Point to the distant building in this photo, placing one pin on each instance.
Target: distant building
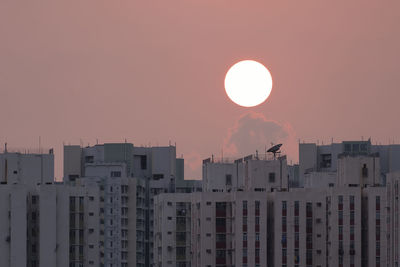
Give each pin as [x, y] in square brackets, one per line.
[129, 177]
[43, 223]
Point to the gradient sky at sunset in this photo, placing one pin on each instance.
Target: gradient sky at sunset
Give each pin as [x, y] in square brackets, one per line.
[153, 71]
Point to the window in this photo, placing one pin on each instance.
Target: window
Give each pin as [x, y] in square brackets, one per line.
[326, 160]
[245, 205]
[365, 171]
[158, 176]
[347, 148]
[378, 203]
[257, 236]
[89, 159]
[356, 147]
[363, 148]
[244, 236]
[228, 179]
[271, 177]
[115, 174]
[143, 162]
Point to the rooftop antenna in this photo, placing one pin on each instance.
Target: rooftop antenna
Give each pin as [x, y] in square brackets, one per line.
[39, 144]
[275, 150]
[97, 141]
[5, 147]
[265, 150]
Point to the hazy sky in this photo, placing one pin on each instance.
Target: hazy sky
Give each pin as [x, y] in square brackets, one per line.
[153, 71]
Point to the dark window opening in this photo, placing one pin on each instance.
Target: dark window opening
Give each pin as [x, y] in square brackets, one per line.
[89, 159]
[365, 171]
[143, 162]
[228, 179]
[116, 174]
[158, 176]
[271, 177]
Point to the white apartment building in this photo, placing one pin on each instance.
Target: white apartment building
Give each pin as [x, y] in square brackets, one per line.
[43, 223]
[246, 174]
[393, 220]
[129, 177]
[211, 229]
[344, 216]
[29, 169]
[324, 158]
[300, 228]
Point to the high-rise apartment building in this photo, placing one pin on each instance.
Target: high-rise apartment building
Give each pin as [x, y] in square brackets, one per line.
[129, 177]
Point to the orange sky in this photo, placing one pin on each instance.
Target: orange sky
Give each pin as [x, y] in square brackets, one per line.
[153, 71]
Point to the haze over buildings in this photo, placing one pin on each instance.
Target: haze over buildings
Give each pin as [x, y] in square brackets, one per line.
[74, 72]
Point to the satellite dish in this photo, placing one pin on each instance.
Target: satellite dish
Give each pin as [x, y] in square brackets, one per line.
[275, 149]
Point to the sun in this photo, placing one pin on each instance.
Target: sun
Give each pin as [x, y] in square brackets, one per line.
[248, 83]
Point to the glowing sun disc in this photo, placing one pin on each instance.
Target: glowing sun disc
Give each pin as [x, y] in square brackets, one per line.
[248, 83]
